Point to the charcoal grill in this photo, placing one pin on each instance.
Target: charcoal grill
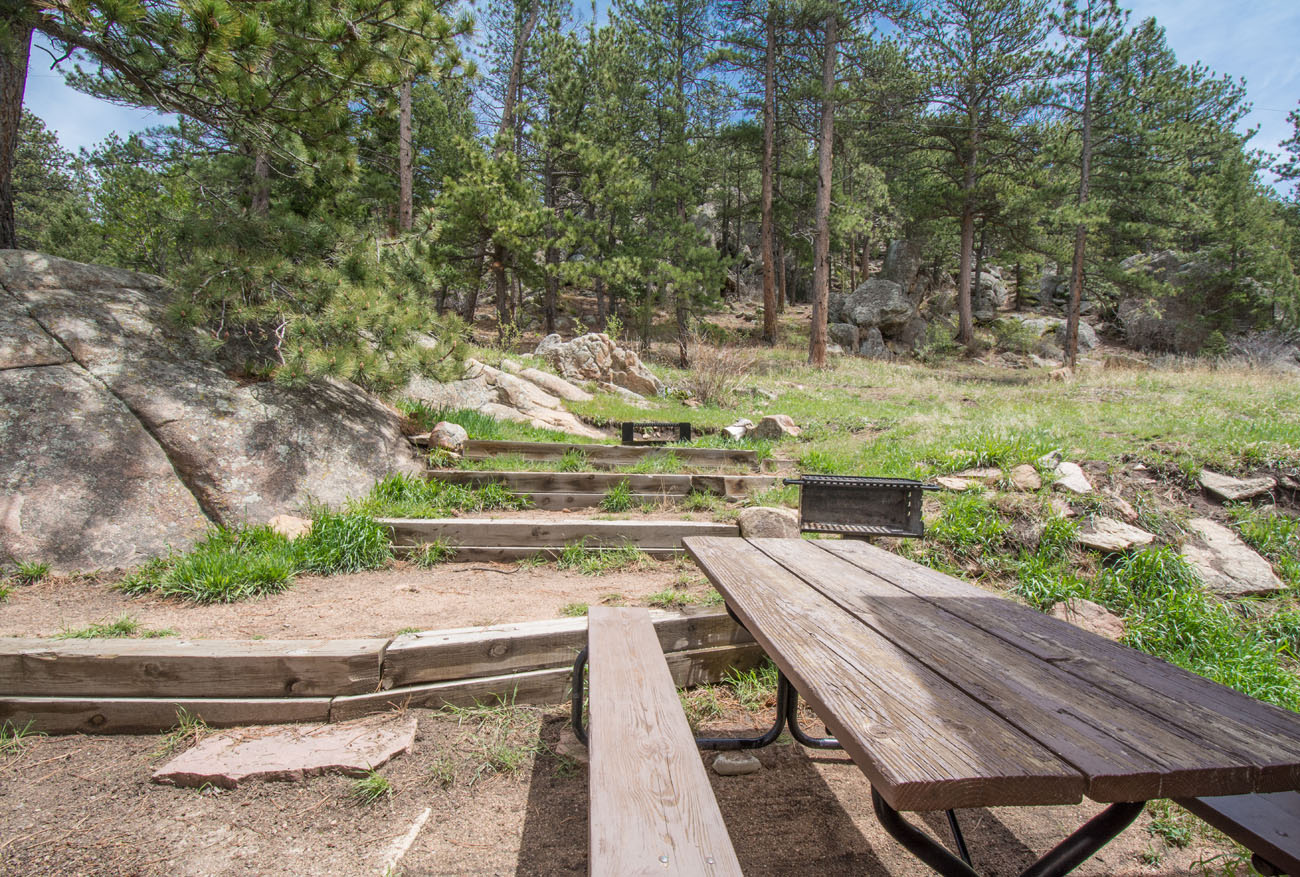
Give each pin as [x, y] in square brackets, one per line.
[857, 507]
[631, 428]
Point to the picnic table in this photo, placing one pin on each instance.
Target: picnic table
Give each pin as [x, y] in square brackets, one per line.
[948, 696]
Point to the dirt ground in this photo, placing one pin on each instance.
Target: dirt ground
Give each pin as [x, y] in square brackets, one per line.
[501, 801]
[370, 604]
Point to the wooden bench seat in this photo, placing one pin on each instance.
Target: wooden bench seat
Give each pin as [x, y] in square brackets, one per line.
[1266, 824]
[652, 809]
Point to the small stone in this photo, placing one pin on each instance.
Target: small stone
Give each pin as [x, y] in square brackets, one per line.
[1228, 489]
[949, 482]
[1227, 565]
[448, 436]
[735, 433]
[290, 752]
[776, 426]
[1109, 535]
[1039, 362]
[570, 747]
[1061, 508]
[765, 522]
[289, 526]
[1069, 476]
[736, 764]
[1050, 459]
[989, 476]
[1090, 616]
[1125, 509]
[1025, 477]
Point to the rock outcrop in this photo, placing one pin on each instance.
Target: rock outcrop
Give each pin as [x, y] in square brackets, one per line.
[596, 357]
[120, 439]
[879, 304]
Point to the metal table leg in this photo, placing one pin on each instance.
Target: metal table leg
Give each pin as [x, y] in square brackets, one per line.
[1062, 859]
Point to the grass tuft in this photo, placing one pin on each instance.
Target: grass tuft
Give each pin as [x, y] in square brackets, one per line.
[31, 572]
[370, 789]
[598, 561]
[125, 626]
[754, 688]
[14, 739]
[618, 498]
[1274, 535]
[430, 554]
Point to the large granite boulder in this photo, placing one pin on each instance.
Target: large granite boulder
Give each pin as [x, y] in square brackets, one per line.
[879, 304]
[596, 357]
[902, 265]
[843, 334]
[197, 446]
[988, 296]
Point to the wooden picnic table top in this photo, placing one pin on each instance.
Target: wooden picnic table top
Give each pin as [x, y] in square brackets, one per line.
[948, 696]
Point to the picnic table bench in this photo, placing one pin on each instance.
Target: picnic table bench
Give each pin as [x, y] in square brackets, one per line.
[947, 696]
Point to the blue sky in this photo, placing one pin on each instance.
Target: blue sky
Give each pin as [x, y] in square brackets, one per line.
[1256, 39]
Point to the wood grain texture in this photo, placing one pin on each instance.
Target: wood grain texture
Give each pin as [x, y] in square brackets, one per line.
[511, 553]
[444, 655]
[189, 668]
[140, 715]
[600, 456]
[924, 744]
[1258, 733]
[1266, 824]
[600, 482]
[652, 808]
[549, 532]
[1126, 753]
[692, 667]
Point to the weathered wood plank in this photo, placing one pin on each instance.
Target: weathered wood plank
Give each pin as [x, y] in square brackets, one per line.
[652, 809]
[189, 668]
[1268, 825]
[144, 715]
[509, 553]
[567, 482]
[549, 532]
[693, 667]
[443, 655]
[1261, 734]
[924, 744]
[1126, 753]
[600, 456]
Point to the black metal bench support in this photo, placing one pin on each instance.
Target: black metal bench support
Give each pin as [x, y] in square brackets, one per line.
[1061, 859]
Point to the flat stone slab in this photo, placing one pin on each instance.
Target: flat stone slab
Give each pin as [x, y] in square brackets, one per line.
[290, 752]
[1025, 477]
[988, 475]
[1227, 565]
[1108, 534]
[1225, 488]
[1069, 476]
[1090, 616]
[951, 482]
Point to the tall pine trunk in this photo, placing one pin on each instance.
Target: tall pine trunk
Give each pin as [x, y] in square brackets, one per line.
[822, 242]
[13, 81]
[769, 136]
[965, 318]
[405, 173]
[260, 196]
[1080, 231]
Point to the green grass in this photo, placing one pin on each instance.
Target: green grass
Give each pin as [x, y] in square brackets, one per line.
[412, 496]
[14, 739]
[663, 463]
[124, 626]
[188, 730]
[969, 525]
[755, 688]
[598, 561]
[574, 610]
[31, 572]
[618, 498]
[6, 590]
[572, 461]
[370, 789]
[430, 554]
[482, 426]
[671, 599]
[1272, 534]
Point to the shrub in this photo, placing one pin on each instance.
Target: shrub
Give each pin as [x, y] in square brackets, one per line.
[716, 371]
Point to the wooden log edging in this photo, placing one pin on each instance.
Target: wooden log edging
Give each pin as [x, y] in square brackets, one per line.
[602, 456]
[138, 686]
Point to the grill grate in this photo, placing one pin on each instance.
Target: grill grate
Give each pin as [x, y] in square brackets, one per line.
[859, 481]
[857, 506]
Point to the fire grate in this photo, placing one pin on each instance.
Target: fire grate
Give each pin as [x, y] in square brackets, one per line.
[857, 507]
[635, 433]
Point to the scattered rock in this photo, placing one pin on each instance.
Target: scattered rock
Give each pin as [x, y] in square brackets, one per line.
[776, 426]
[1091, 617]
[290, 526]
[1050, 459]
[1225, 488]
[949, 482]
[739, 429]
[1026, 533]
[1226, 564]
[989, 475]
[760, 393]
[1025, 477]
[1108, 534]
[1061, 508]
[833, 349]
[535, 404]
[289, 752]
[570, 747]
[448, 436]
[1038, 362]
[1125, 509]
[764, 522]
[736, 764]
[1087, 336]
[1070, 477]
[596, 357]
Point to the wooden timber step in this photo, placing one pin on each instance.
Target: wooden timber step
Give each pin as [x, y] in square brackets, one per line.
[122, 686]
[608, 456]
[484, 539]
[598, 483]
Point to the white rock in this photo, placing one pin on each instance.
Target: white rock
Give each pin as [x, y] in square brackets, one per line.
[290, 526]
[776, 426]
[736, 764]
[1069, 476]
[1050, 459]
[1108, 534]
[448, 436]
[1090, 616]
[1228, 489]
[764, 522]
[1226, 564]
[949, 482]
